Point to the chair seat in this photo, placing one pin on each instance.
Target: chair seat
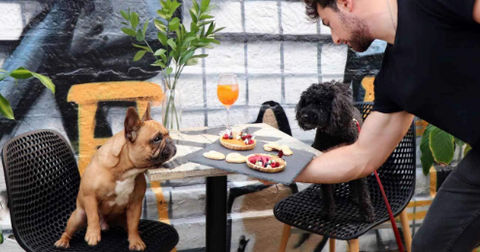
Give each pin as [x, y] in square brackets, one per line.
[158, 237]
[304, 210]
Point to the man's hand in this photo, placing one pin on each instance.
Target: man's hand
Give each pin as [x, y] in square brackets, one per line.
[380, 134]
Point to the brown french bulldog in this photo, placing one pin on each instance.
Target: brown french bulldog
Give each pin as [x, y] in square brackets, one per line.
[113, 185]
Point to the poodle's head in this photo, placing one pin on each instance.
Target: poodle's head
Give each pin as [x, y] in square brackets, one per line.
[326, 106]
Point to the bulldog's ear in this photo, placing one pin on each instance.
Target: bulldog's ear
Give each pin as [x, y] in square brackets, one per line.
[147, 115]
[132, 124]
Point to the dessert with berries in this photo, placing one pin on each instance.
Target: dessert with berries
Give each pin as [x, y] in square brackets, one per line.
[237, 140]
[266, 163]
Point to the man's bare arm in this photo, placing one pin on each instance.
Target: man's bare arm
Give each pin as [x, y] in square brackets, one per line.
[380, 134]
[476, 11]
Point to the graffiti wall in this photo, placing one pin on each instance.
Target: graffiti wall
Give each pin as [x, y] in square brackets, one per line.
[271, 46]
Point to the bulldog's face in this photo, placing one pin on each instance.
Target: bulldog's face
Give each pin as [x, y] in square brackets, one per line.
[149, 143]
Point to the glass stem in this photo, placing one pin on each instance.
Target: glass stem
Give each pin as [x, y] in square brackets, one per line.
[228, 114]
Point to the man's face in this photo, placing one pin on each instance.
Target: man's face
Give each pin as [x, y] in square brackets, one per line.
[346, 28]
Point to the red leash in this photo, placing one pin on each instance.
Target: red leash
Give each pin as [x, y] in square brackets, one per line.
[390, 213]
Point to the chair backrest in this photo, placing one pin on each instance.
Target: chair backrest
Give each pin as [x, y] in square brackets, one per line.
[397, 173]
[42, 184]
[272, 113]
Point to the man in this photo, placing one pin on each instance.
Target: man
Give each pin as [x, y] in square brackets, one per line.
[430, 69]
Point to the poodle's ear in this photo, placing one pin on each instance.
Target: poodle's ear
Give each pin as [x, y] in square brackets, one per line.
[341, 114]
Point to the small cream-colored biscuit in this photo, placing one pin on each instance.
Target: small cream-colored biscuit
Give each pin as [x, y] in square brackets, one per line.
[271, 146]
[286, 150]
[235, 157]
[215, 155]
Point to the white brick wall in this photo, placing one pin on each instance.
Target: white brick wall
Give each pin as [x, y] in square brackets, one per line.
[295, 85]
[294, 19]
[334, 58]
[264, 88]
[300, 58]
[229, 15]
[261, 17]
[264, 57]
[226, 57]
[11, 24]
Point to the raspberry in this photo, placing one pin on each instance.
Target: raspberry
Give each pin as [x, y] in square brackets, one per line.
[225, 136]
[252, 160]
[250, 141]
[243, 138]
[249, 136]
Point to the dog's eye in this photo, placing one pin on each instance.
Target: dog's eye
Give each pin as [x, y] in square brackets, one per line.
[157, 139]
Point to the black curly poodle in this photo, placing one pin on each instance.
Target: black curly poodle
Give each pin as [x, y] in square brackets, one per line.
[328, 107]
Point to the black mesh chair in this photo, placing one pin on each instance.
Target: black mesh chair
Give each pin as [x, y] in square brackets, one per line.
[303, 210]
[42, 185]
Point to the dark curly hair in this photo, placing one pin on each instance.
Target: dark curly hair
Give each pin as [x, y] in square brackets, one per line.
[311, 6]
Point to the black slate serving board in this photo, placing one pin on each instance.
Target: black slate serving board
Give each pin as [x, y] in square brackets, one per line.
[295, 163]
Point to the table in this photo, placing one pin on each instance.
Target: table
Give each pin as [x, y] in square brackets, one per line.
[191, 140]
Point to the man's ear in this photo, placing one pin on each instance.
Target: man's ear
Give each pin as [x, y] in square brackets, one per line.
[147, 115]
[345, 4]
[132, 124]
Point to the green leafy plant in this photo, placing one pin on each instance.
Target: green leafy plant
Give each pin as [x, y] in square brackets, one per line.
[179, 44]
[1, 233]
[19, 74]
[438, 147]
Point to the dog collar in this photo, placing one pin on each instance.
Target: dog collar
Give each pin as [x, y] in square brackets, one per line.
[356, 123]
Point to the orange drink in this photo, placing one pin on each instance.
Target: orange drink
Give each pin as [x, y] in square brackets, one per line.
[227, 94]
[227, 91]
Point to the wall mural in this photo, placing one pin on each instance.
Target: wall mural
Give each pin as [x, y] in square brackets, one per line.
[79, 45]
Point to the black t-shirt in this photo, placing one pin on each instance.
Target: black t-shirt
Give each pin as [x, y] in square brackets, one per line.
[433, 70]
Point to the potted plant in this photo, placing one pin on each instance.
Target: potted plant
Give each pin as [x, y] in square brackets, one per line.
[179, 47]
[438, 150]
[20, 73]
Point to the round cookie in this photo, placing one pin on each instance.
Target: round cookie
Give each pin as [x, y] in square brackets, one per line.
[214, 155]
[286, 150]
[271, 146]
[235, 157]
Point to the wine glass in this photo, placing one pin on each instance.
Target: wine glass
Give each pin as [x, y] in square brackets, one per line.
[227, 91]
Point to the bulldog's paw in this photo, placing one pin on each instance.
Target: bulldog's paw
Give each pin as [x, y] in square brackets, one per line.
[64, 242]
[136, 243]
[93, 237]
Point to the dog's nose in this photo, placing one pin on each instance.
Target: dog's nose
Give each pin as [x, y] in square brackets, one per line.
[309, 117]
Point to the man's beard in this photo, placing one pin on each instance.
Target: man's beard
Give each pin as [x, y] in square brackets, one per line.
[360, 38]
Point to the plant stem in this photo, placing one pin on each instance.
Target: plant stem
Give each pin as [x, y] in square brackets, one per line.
[167, 111]
[177, 75]
[176, 116]
[145, 40]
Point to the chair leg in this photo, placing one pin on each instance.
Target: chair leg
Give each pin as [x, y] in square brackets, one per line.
[285, 235]
[406, 230]
[354, 247]
[332, 245]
